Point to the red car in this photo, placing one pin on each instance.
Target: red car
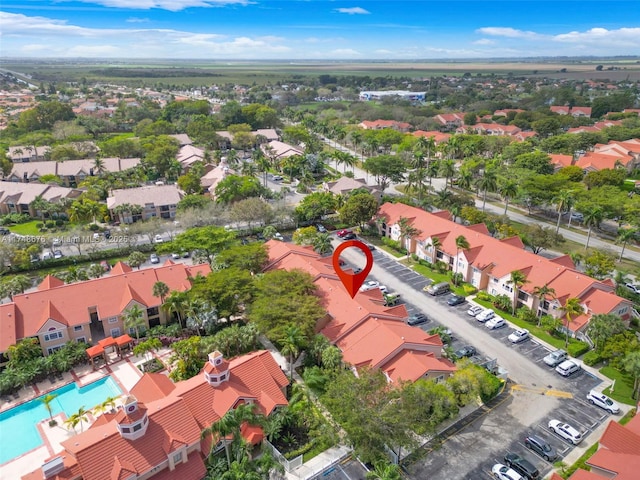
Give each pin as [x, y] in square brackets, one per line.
[342, 233]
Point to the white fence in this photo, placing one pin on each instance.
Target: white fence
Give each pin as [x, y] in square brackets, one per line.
[289, 465]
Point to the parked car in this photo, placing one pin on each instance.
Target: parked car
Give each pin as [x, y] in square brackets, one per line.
[107, 234]
[438, 288]
[369, 285]
[485, 315]
[633, 288]
[175, 255]
[518, 335]
[57, 254]
[555, 358]
[47, 255]
[502, 472]
[370, 246]
[521, 465]
[343, 232]
[154, 258]
[568, 367]
[350, 236]
[186, 254]
[391, 299]
[96, 237]
[321, 228]
[56, 242]
[541, 447]
[565, 431]
[474, 310]
[454, 300]
[577, 217]
[4, 231]
[158, 239]
[602, 401]
[277, 178]
[278, 236]
[495, 322]
[466, 351]
[417, 319]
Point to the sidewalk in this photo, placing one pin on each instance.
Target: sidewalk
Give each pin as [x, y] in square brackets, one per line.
[319, 463]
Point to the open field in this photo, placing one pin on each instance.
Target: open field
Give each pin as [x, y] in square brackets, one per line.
[202, 72]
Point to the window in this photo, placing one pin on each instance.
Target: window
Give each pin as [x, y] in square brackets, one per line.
[177, 458]
[137, 427]
[115, 332]
[223, 376]
[126, 430]
[52, 336]
[439, 378]
[622, 311]
[77, 328]
[81, 340]
[50, 350]
[113, 319]
[152, 312]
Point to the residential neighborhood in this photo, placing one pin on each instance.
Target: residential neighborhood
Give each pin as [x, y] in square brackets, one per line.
[169, 292]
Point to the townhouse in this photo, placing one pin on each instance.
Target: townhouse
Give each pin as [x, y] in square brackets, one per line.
[618, 454]
[368, 333]
[344, 185]
[490, 129]
[18, 197]
[278, 150]
[382, 124]
[28, 153]
[70, 172]
[593, 161]
[573, 111]
[438, 137]
[450, 121]
[157, 431]
[488, 262]
[153, 201]
[57, 313]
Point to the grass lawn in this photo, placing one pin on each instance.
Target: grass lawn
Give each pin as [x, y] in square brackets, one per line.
[580, 463]
[435, 276]
[622, 389]
[27, 228]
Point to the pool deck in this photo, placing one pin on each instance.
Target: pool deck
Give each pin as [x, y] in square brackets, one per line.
[123, 371]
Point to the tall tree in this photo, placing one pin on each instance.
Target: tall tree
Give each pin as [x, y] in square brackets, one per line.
[177, 302]
[46, 400]
[133, 318]
[407, 232]
[518, 279]
[592, 217]
[461, 244]
[541, 294]
[160, 290]
[508, 189]
[488, 182]
[292, 342]
[626, 235]
[571, 309]
[631, 365]
[564, 200]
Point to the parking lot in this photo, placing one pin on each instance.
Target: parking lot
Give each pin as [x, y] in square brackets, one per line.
[545, 395]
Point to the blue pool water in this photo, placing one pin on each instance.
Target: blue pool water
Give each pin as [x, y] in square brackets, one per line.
[18, 425]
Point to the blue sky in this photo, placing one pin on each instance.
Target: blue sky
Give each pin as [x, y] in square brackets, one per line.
[318, 29]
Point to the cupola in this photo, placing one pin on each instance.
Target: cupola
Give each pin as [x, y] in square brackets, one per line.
[216, 369]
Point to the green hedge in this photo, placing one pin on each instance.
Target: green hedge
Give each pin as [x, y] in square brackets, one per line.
[591, 358]
[577, 348]
[496, 386]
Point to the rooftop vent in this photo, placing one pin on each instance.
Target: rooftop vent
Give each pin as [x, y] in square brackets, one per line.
[53, 466]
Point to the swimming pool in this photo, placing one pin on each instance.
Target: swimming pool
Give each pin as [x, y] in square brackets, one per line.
[19, 423]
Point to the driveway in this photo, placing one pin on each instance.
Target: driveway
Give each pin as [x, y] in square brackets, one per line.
[542, 394]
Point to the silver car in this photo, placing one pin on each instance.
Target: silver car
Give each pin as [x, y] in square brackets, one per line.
[555, 358]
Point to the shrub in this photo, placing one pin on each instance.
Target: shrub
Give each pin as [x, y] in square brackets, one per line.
[591, 358]
[94, 227]
[493, 388]
[49, 224]
[469, 289]
[577, 348]
[39, 225]
[484, 296]
[59, 222]
[527, 315]
[502, 302]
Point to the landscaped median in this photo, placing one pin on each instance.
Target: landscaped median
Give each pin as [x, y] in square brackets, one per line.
[622, 388]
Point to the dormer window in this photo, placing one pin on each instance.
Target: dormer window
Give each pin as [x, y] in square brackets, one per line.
[216, 370]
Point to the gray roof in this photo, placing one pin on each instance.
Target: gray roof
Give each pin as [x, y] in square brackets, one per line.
[25, 193]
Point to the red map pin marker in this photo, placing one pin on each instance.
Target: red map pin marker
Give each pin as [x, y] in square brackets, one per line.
[352, 282]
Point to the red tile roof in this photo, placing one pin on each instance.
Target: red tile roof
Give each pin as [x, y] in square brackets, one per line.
[601, 161]
[69, 304]
[438, 137]
[560, 160]
[193, 469]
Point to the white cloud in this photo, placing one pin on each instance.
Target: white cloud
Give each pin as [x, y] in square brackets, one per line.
[623, 37]
[345, 52]
[137, 20]
[353, 11]
[95, 51]
[171, 5]
[484, 41]
[506, 32]
[383, 51]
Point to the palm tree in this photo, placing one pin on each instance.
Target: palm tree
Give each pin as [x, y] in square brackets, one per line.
[40, 206]
[487, 183]
[98, 165]
[461, 244]
[435, 244]
[19, 283]
[160, 290]
[291, 344]
[571, 309]
[384, 471]
[564, 201]
[465, 178]
[508, 189]
[322, 243]
[518, 279]
[108, 404]
[592, 218]
[229, 426]
[46, 401]
[624, 236]
[541, 293]
[134, 318]
[177, 302]
[407, 231]
[78, 418]
[447, 169]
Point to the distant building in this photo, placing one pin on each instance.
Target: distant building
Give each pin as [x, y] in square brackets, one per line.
[156, 201]
[368, 95]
